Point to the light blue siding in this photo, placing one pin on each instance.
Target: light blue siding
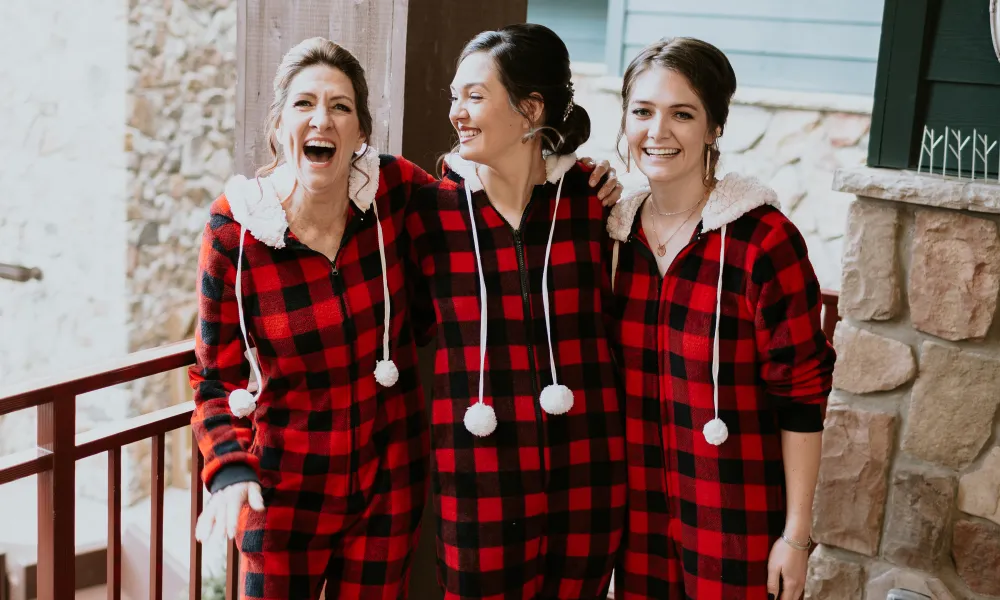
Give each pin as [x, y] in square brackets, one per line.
[582, 24]
[783, 44]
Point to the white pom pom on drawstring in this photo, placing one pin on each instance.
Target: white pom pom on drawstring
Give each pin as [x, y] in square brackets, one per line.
[242, 403]
[715, 431]
[480, 419]
[386, 373]
[556, 399]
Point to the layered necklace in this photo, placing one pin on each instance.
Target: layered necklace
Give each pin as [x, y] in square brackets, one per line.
[661, 247]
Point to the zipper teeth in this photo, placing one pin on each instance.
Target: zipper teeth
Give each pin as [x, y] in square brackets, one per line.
[529, 323]
[648, 252]
[349, 334]
[522, 271]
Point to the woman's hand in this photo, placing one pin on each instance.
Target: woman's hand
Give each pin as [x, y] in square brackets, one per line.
[786, 568]
[223, 510]
[611, 191]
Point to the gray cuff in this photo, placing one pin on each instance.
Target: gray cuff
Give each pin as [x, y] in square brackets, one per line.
[230, 474]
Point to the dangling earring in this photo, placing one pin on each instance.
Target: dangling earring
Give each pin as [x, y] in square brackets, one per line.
[628, 160]
[708, 162]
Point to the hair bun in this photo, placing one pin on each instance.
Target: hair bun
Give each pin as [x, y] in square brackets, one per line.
[575, 129]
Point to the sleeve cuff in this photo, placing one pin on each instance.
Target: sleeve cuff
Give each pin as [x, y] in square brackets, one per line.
[801, 418]
[230, 474]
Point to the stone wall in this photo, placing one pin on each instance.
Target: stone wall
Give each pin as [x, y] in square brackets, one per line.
[793, 142]
[909, 490]
[180, 137]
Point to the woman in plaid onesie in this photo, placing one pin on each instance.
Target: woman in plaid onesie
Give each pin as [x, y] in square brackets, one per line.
[511, 279]
[330, 450]
[717, 331]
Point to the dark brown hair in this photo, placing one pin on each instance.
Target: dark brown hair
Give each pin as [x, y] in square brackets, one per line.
[532, 59]
[305, 54]
[704, 66]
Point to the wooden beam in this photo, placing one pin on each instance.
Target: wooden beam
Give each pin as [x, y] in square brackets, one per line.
[437, 32]
[373, 30]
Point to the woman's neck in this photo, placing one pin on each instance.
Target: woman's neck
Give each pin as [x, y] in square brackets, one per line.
[316, 210]
[677, 195]
[510, 180]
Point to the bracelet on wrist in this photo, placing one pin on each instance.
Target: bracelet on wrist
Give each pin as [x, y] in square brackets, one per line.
[798, 545]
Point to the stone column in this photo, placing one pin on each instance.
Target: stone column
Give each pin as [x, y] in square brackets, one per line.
[909, 490]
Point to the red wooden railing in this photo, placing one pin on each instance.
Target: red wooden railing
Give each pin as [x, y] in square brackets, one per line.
[59, 447]
[829, 315]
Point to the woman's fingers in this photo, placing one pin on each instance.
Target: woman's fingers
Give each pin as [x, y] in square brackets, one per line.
[254, 497]
[206, 520]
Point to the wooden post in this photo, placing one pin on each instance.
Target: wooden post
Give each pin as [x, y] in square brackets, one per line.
[438, 30]
[57, 500]
[373, 30]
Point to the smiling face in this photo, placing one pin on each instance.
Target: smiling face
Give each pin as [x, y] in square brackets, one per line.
[319, 130]
[667, 127]
[488, 126]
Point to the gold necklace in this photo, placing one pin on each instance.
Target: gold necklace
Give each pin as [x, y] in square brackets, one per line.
[661, 248]
[657, 210]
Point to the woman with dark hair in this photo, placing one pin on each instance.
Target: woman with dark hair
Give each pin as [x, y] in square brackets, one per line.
[726, 369]
[511, 261]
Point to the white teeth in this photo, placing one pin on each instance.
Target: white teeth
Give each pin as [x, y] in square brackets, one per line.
[466, 134]
[662, 151]
[320, 144]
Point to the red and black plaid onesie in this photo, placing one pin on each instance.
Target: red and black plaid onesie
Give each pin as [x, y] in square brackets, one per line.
[532, 504]
[703, 516]
[341, 457]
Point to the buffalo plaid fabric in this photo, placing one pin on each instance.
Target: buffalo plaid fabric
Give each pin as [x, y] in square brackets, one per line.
[341, 460]
[535, 509]
[702, 518]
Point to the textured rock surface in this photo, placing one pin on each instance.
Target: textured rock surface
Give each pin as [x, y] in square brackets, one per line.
[976, 550]
[870, 287]
[182, 78]
[979, 490]
[954, 274]
[851, 493]
[927, 190]
[867, 362]
[831, 577]
[919, 510]
[952, 406]
[878, 587]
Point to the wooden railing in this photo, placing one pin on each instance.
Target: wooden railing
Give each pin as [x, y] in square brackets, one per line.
[830, 315]
[59, 448]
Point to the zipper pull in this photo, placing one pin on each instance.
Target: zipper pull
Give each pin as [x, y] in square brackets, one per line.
[336, 280]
